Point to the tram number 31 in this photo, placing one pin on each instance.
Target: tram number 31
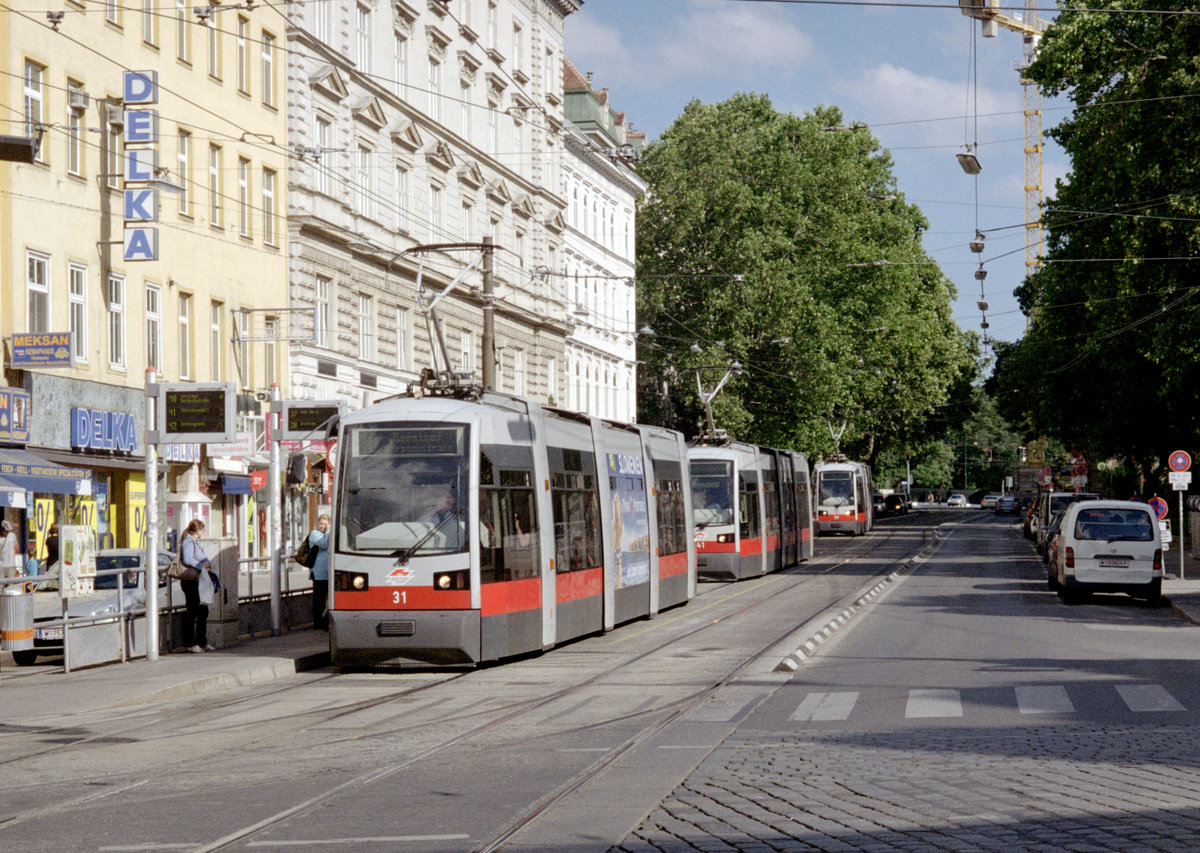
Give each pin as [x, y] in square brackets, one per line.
[399, 597]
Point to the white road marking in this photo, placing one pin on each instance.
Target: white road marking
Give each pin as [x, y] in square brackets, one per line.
[386, 839]
[934, 702]
[1148, 697]
[1044, 699]
[825, 706]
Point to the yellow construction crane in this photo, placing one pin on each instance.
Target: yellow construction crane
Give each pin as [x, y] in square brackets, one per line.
[992, 16]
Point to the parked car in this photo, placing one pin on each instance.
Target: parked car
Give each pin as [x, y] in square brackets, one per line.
[895, 504]
[1029, 520]
[956, 500]
[877, 501]
[1007, 505]
[106, 600]
[989, 501]
[1109, 546]
[1052, 534]
[1055, 502]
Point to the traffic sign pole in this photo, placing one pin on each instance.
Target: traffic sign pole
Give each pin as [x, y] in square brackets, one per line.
[1179, 462]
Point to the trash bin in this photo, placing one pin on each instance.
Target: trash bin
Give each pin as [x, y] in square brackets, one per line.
[16, 619]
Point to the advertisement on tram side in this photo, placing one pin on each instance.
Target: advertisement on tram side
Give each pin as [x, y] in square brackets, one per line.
[631, 522]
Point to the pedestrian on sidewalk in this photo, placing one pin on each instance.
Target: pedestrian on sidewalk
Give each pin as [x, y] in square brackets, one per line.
[318, 539]
[195, 616]
[52, 545]
[8, 549]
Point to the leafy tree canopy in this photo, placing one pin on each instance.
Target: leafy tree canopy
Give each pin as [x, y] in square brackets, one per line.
[782, 242]
[1109, 362]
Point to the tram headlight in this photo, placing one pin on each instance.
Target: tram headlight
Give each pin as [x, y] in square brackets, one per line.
[725, 538]
[351, 582]
[452, 580]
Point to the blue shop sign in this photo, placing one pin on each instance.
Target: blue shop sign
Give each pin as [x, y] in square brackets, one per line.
[14, 415]
[41, 350]
[92, 429]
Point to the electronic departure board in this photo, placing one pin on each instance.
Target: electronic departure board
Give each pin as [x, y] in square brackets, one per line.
[308, 420]
[196, 412]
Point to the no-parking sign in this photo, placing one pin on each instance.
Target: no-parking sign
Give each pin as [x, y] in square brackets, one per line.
[1159, 506]
[1180, 460]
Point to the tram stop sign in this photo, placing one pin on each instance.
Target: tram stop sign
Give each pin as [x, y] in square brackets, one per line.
[1180, 460]
[1159, 506]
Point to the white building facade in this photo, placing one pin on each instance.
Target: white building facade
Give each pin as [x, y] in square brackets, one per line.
[417, 122]
[601, 191]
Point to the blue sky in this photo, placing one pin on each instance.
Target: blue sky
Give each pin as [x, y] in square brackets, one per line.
[906, 72]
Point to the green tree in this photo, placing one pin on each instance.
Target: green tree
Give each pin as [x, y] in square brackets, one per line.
[781, 242]
[1109, 362]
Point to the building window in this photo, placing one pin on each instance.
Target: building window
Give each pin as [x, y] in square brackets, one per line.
[491, 24]
[321, 312]
[269, 326]
[214, 185]
[37, 291]
[362, 39]
[403, 340]
[112, 12]
[183, 163]
[464, 110]
[242, 49]
[74, 152]
[149, 22]
[214, 49]
[466, 352]
[402, 199]
[520, 248]
[215, 341]
[366, 327]
[115, 293]
[247, 366]
[435, 89]
[435, 211]
[113, 169]
[77, 301]
[519, 372]
[243, 179]
[268, 69]
[468, 220]
[183, 32]
[320, 10]
[270, 223]
[324, 143]
[518, 48]
[153, 325]
[400, 66]
[185, 336]
[33, 102]
[493, 129]
[362, 181]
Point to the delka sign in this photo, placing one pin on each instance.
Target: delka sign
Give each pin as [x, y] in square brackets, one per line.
[141, 165]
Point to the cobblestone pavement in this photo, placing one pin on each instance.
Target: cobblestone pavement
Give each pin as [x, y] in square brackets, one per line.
[1055, 788]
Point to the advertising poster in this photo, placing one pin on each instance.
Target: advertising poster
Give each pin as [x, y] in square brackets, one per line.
[78, 560]
[631, 523]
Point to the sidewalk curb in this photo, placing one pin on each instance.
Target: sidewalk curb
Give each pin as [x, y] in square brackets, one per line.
[261, 674]
[1179, 611]
[808, 648]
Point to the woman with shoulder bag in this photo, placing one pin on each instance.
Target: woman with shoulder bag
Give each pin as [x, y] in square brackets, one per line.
[318, 540]
[195, 617]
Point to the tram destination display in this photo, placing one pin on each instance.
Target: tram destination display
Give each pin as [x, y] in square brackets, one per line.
[196, 412]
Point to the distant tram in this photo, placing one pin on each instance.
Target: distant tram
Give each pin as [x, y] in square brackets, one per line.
[843, 496]
[751, 509]
[474, 529]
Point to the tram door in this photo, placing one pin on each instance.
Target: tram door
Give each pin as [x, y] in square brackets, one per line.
[625, 514]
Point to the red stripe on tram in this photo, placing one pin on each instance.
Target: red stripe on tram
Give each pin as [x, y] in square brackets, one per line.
[572, 586]
[672, 565]
[511, 596]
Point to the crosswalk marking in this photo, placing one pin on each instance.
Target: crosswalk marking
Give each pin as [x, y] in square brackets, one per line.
[934, 702]
[825, 706]
[1044, 699]
[1148, 697]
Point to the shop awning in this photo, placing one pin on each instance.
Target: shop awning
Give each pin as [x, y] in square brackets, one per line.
[235, 484]
[11, 494]
[35, 474]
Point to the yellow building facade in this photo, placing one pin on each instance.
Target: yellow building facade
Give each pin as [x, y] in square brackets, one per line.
[149, 230]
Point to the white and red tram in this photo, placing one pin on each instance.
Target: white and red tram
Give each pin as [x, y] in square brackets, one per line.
[844, 496]
[751, 507]
[469, 530]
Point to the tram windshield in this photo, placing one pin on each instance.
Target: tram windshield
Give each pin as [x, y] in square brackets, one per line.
[403, 489]
[835, 488]
[712, 492]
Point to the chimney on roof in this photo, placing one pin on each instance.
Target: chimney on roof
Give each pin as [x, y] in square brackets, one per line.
[589, 76]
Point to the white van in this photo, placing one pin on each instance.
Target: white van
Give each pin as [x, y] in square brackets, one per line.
[1109, 546]
[1050, 504]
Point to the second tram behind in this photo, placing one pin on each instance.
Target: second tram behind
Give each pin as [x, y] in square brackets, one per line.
[469, 530]
[843, 496]
[751, 509]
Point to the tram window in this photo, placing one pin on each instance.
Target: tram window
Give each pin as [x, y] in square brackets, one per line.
[672, 522]
[771, 502]
[836, 488]
[751, 526]
[508, 531]
[576, 522]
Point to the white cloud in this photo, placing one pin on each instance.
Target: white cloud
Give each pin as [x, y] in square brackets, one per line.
[591, 46]
[735, 41]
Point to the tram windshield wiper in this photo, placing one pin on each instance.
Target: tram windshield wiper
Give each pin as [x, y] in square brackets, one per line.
[403, 555]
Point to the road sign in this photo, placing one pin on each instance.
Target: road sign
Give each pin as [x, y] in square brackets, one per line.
[1046, 476]
[1180, 460]
[197, 412]
[1159, 506]
[1180, 480]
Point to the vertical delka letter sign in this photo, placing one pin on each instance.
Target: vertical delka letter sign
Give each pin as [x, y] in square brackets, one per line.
[141, 165]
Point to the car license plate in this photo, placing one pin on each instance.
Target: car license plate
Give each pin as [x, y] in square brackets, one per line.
[1112, 563]
[48, 634]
